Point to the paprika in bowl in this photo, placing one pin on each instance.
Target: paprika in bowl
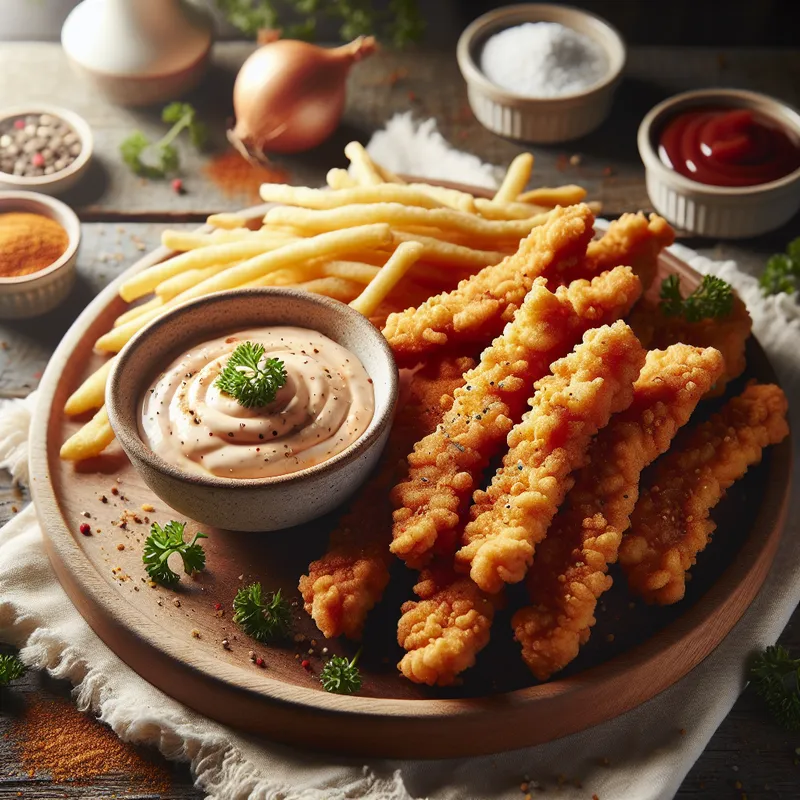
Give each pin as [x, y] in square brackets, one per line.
[39, 238]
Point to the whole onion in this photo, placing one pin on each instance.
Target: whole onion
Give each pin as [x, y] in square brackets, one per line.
[289, 95]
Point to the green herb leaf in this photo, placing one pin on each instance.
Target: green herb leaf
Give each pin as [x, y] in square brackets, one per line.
[341, 676]
[11, 668]
[776, 678]
[265, 618]
[249, 379]
[713, 299]
[162, 543]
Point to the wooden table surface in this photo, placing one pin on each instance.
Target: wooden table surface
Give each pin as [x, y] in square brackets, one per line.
[123, 215]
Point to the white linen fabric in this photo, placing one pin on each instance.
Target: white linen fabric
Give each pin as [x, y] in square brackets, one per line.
[648, 750]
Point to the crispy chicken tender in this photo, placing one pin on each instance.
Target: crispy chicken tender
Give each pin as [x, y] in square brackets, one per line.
[570, 570]
[480, 306]
[568, 408]
[343, 586]
[633, 240]
[445, 629]
[446, 465]
[670, 524]
[729, 335]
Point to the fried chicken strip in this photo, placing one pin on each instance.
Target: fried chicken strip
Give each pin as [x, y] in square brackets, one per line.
[671, 524]
[343, 586]
[728, 334]
[570, 570]
[568, 408]
[445, 467]
[480, 306]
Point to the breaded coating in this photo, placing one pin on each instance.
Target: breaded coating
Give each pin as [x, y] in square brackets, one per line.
[445, 629]
[446, 466]
[633, 240]
[670, 524]
[728, 334]
[512, 516]
[570, 570]
[344, 585]
[477, 310]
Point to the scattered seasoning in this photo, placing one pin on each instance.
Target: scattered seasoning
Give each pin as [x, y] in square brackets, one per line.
[120, 546]
[235, 176]
[86, 514]
[29, 243]
[195, 633]
[86, 529]
[226, 644]
[259, 662]
[37, 144]
[177, 186]
[147, 507]
[305, 664]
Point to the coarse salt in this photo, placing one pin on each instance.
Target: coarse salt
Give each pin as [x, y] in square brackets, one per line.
[543, 59]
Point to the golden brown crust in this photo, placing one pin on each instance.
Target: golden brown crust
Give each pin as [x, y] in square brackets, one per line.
[570, 570]
[670, 524]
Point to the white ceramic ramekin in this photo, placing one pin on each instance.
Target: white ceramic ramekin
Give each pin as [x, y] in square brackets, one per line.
[40, 292]
[64, 179]
[727, 212]
[547, 119]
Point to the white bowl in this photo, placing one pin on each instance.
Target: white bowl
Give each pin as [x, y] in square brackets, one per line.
[64, 179]
[40, 292]
[727, 212]
[547, 119]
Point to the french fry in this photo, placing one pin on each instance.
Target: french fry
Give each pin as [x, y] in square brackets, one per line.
[558, 196]
[448, 254]
[340, 179]
[375, 293]
[187, 240]
[338, 288]
[90, 440]
[320, 199]
[387, 175]
[519, 173]
[227, 221]
[333, 243]
[452, 198]
[354, 271]
[91, 393]
[286, 277]
[178, 284]
[363, 169]
[137, 311]
[491, 209]
[401, 216]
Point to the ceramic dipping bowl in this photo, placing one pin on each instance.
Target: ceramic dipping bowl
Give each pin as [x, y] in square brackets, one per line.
[260, 504]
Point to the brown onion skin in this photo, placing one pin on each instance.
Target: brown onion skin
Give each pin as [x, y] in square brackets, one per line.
[289, 95]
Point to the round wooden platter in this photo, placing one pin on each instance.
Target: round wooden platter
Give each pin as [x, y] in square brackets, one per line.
[174, 638]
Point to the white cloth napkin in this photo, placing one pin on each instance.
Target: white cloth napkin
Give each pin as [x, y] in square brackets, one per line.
[649, 750]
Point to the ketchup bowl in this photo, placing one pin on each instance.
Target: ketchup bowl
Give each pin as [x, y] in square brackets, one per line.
[338, 375]
[695, 143]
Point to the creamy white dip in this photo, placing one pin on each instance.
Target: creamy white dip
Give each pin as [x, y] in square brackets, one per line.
[325, 405]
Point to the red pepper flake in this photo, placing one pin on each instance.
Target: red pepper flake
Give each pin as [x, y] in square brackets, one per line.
[86, 529]
[114, 490]
[19, 124]
[177, 186]
[259, 661]
[305, 664]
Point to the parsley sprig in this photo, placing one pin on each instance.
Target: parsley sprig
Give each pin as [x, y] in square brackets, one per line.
[156, 160]
[776, 677]
[782, 272]
[11, 668]
[341, 676]
[712, 299]
[249, 378]
[162, 543]
[265, 617]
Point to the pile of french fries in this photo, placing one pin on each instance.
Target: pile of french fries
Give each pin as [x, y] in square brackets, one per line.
[358, 241]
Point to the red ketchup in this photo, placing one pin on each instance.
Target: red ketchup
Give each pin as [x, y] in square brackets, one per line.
[728, 147]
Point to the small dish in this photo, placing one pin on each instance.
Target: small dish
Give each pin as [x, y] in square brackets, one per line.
[728, 212]
[532, 119]
[40, 292]
[63, 179]
[259, 504]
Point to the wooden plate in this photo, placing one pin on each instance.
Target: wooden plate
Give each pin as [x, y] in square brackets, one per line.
[174, 639]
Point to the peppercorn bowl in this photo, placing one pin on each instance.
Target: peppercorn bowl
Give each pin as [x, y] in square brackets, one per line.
[250, 504]
[30, 295]
[43, 148]
[540, 120]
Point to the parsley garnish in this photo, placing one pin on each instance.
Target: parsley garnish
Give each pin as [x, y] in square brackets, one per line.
[11, 668]
[248, 380]
[782, 271]
[265, 618]
[162, 543]
[341, 676]
[776, 677]
[158, 160]
[713, 298]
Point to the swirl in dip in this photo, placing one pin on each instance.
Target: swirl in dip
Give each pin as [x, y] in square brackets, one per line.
[325, 405]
